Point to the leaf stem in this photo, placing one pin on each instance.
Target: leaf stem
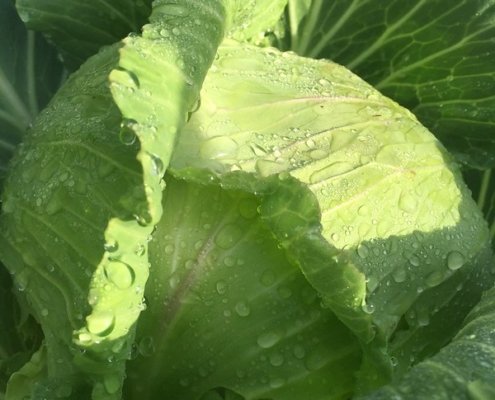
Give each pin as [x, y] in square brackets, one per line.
[485, 181]
[31, 73]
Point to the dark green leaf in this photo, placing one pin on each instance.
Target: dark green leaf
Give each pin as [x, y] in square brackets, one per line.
[80, 28]
[29, 75]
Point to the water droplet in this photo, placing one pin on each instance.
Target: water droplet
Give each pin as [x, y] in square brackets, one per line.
[221, 287]
[423, 317]
[298, 351]
[127, 135]
[434, 278]
[407, 202]
[363, 251]
[276, 359]
[335, 169]
[184, 382]
[368, 308]
[169, 249]
[318, 154]
[277, 383]
[111, 246]
[228, 236]
[171, 9]
[146, 346]
[218, 147]
[394, 361]
[44, 312]
[284, 292]
[156, 164]
[101, 323]
[399, 274]
[140, 250]
[269, 339]
[268, 278]
[363, 210]
[317, 358]
[455, 260]
[248, 208]
[242, 308]
[112, 383]
[119, 273]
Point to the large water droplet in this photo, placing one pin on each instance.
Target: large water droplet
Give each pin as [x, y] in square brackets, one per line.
[112, 383]
[242, 308]
[156, 164]
[218, 147]
[434, 278]
[455, 260]
[127, 135]
[101, 323]
[228, 236]
[407, 202]
[269, 339]
[399, 274]
[268, 278]
[337, 168]
[119, 273]
[221, 287]
[298, 351]
[276, 359]
[317, 359]
[146, 346]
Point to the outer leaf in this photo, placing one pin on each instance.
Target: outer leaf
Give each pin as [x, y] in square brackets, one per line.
[69, 177]
[432, 56]
[29, 75]
[226, 309]
[80, 29]
[463, 370]
[390, 197]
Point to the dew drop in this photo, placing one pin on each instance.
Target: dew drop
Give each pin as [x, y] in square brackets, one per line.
[455, 260]
[368, 308]
[111, 246]
[434, 278]
[317, 359]
[399, 274]
[127, 135]
[298, 351]
[276, 383]
[276, 359]
[284, 292]
[335, 169]
[407, 202]
[269, 339]
[112, 383]
[119, 273]
[242, 308]
[156, 164]
[221, 287]
[146, 346]
[268, 278]
[218, 147]
[228, 236]
[363, 251]
[101, 323]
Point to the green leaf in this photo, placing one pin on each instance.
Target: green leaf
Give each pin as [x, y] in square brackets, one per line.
[225, 308]
[80, 29]
[69, 177]
[252, 19]
[29, 75]
[364, 198]
[464, 367]
[433, 57]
